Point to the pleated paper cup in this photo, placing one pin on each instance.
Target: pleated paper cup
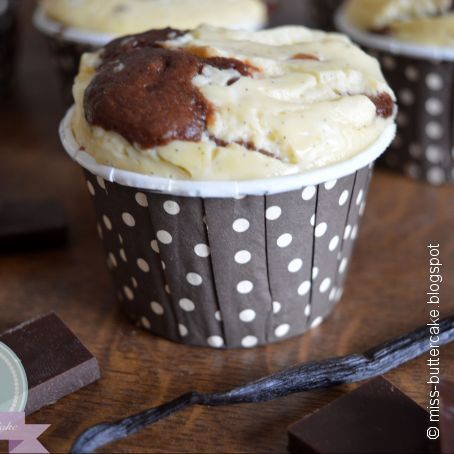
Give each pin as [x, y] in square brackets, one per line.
[8, 45]
[423, 79]
[228, 263]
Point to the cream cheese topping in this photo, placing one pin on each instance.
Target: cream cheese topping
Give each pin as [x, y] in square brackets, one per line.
[308, 105]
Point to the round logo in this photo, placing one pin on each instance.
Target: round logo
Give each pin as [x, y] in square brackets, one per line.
[13, 381]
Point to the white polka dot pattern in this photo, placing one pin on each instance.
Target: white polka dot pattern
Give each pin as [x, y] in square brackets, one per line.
[141, 199]
[202, 250]
[215, 341]
[171, 207]
[247, 316]
[295, 265]
[273, 213]
[194, 279]
[90, 187]
[187, 305]
[143, 265]
[249, 342]
[230, 272]
[243, 257]
[426, 124]
[157, 308]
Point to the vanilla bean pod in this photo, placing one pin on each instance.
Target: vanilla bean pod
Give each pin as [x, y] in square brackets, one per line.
[314, 375]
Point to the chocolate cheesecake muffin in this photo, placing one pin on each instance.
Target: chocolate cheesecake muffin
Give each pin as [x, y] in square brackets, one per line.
[229, 171]
[415, 43]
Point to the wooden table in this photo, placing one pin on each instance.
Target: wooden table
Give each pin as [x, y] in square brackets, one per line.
[385, 297]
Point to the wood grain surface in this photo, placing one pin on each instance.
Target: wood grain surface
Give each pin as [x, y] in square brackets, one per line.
[385, 296]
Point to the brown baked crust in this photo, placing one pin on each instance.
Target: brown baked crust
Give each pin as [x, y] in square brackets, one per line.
[144, 92]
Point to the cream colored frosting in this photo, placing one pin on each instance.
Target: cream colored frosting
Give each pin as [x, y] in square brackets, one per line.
[309, 113]
[122, 17]
[418, 21]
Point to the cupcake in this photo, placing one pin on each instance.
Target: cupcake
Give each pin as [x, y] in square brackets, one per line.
[415, 44]
[229, 171]
[73, 28]
[8, 38]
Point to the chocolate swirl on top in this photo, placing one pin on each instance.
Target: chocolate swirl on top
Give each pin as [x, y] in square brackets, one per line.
[384, 104]
[144, 92]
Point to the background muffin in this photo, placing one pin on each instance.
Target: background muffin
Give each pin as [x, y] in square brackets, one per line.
[428, 22]
[281, 125]
[73, 28]
[414, 41]
[122, 17]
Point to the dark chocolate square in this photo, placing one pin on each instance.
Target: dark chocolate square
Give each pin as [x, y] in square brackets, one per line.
[374, 418]
[54, 359]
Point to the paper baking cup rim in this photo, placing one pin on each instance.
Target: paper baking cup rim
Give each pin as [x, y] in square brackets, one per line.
[78, 35]
[221, 189]
[55, 29]
[389, 44]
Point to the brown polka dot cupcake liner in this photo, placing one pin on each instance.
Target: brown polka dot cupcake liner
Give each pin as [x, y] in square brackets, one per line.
[8, 44]
[228, 264]
[229, 272]
[423, 80]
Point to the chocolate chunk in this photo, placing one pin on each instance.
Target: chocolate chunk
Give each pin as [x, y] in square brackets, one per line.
[301, 56]
[144, 92]
[54, 359]
[28, 225]
[374, 418]
[447, 416]
[382, 31]
[248, 145]
[384, 104]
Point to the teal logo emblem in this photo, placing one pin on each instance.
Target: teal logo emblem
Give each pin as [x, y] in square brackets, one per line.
[13, 382]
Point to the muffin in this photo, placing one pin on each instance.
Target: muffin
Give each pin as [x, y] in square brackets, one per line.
[73, 28]
[229, 171]
[415, 44]
[8, 41]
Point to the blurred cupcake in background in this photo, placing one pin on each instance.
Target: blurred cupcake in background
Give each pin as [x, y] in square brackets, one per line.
[8, 42]
[311, 13]
[74, 27]
[415, 43]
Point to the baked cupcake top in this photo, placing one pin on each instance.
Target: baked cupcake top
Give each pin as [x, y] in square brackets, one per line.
[121, 17]
[217, 104]
[420, 21]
